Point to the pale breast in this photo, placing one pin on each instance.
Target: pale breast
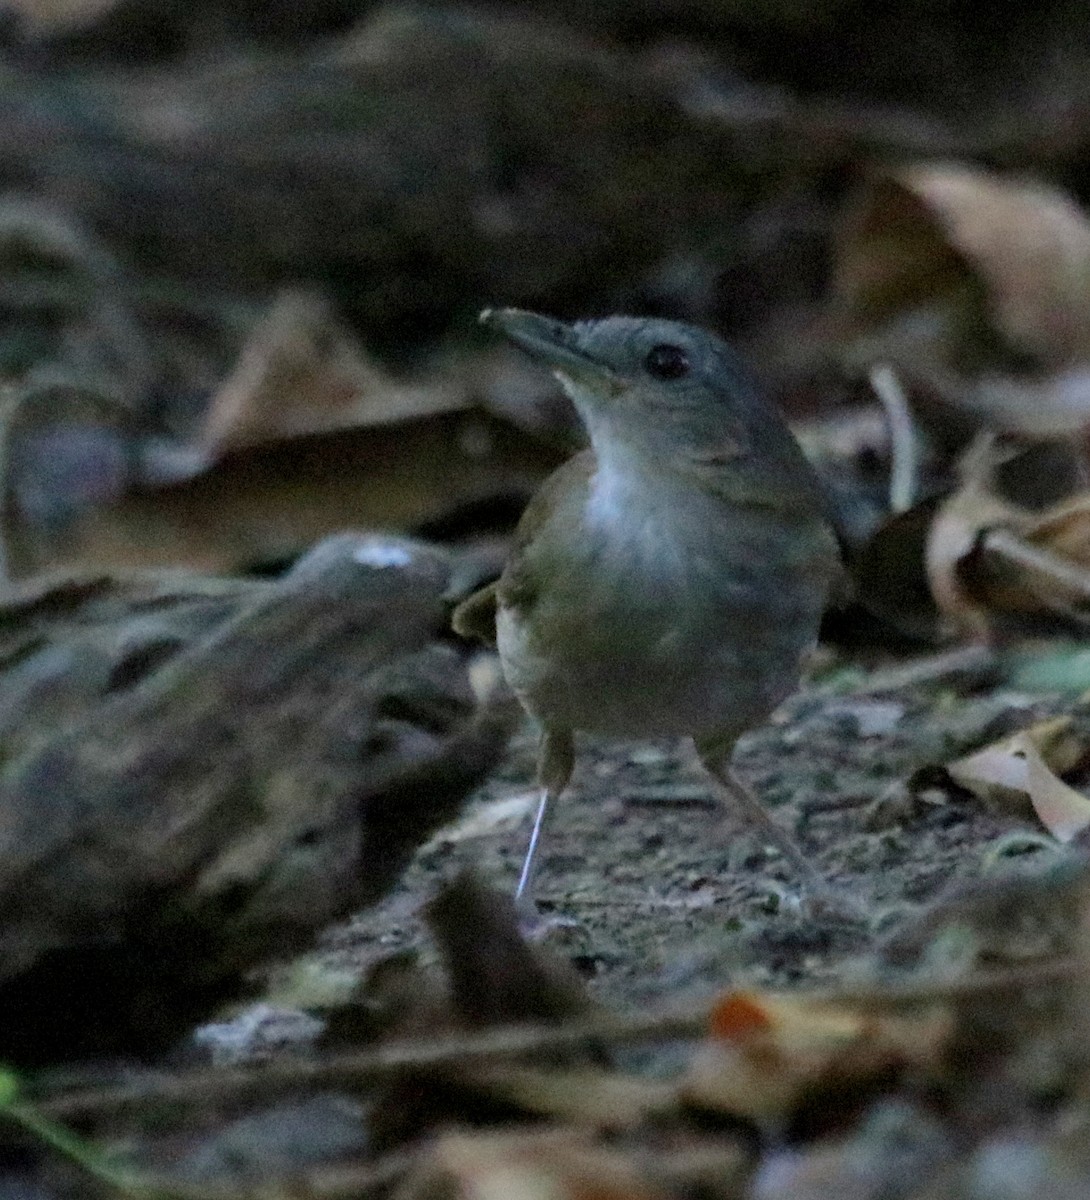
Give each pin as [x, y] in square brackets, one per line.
[649, 624]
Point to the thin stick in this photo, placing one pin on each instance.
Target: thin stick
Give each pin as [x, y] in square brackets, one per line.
[1008, 545]
[973, 660]
[903, 443]
[508, 1041]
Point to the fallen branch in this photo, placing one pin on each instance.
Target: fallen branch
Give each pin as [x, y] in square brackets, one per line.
[372, 1065]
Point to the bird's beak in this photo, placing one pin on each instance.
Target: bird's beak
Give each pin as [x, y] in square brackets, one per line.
[551, 342]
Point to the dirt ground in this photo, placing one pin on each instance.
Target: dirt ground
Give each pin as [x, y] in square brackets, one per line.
[672, 900]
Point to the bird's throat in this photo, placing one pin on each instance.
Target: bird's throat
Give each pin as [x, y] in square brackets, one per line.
[633, 503]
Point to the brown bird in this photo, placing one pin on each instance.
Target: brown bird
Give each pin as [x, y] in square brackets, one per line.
[670, 580]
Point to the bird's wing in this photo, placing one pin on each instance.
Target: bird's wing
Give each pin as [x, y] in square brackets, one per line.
[517, 587]
[519, 584]
[475, 617]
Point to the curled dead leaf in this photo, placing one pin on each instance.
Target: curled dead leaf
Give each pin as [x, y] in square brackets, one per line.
[1065, 529]
[955, 533]
[889, 577]
[1028, 243]
[266, 504]
[1030, 565]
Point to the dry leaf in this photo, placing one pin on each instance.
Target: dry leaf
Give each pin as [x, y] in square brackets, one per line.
[1030, 245]
[266, 504]
[1017, 775]
[955, 533]
[971, 555]
[1033, 564]
[889, 576]
[765, 1053]
[975, 284]
[557, 1164]
[1064, 529]
[301, 372]
[580, 1096]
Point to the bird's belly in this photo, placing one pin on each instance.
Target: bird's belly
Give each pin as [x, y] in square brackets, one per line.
[645, 661]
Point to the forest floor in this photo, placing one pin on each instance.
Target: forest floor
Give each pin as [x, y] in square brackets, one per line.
[672, 899]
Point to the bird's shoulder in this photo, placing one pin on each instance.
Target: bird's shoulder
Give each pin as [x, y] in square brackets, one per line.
[475, 617]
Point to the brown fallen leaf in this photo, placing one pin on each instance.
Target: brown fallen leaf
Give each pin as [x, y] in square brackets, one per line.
[955, 532]
[889, 576]
[1024, 564]
[1028, 242]
[1046, 566]
[1000, 543]
[766, 1053]
[1018, 775]
[494, 976]
[558, 1164]
[266, 504]
[585, 1097]
[1065, 529]
[975, 284]
[301, 371]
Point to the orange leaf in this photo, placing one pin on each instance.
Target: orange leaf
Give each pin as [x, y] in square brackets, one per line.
[738, 1015]
[767, 1053]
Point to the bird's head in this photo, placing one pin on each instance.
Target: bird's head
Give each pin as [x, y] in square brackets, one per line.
[672, 394]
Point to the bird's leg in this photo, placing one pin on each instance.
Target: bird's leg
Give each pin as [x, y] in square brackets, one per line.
[740, 795]
[817, 892]
[554, 768]
[529, 863]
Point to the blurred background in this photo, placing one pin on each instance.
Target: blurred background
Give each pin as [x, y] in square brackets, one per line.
[242, 246]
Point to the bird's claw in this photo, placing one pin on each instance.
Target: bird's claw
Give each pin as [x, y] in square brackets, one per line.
[819, 901]
[831, 905]
[553, 929]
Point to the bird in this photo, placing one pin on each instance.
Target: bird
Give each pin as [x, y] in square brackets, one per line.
[669, 580]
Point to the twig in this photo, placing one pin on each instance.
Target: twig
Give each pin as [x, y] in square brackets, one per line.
[1008, 545]
[348, 1182]
[379, 1063]
[508, 1041]
[972, 660]
[903, 443]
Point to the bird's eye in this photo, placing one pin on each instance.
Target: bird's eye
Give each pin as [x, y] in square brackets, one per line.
[666, 362]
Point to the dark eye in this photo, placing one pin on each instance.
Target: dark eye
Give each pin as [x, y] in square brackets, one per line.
[666, 362]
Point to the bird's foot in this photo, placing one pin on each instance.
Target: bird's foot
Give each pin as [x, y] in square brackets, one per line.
[816, 899]
[553, 928]
[832, 905]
